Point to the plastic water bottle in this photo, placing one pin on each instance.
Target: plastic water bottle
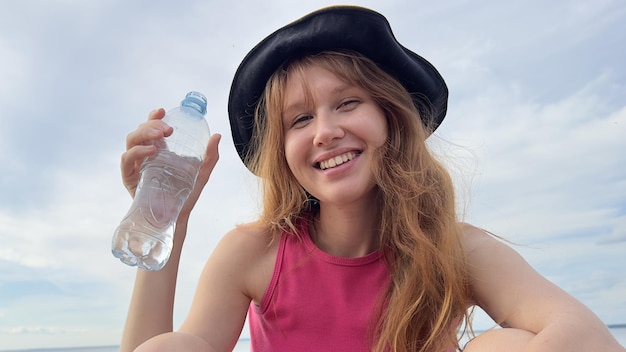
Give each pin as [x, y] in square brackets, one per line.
[144, 237]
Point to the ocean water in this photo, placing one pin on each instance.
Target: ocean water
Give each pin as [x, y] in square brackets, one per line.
[242, 346]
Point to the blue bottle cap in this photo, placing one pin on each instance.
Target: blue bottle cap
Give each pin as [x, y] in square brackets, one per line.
[195, 100]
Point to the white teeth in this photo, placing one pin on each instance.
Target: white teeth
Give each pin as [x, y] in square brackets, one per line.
[336, 161]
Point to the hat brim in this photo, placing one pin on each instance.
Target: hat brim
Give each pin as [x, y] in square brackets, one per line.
[333, 28]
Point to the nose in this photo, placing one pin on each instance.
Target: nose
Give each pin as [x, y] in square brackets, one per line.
[327, 129]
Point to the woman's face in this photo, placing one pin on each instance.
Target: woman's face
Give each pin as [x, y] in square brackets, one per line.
[331, 131]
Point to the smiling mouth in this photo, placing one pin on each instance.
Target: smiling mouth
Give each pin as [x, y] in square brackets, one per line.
[336, 161]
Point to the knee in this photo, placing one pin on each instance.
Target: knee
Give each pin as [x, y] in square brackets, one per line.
[507, 339]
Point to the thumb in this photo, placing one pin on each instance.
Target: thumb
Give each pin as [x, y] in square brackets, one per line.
[211, 156]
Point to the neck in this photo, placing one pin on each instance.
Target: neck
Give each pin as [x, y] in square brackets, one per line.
[346, 231]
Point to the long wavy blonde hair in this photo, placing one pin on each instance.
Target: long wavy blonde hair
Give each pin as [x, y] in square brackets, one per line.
[420, 237]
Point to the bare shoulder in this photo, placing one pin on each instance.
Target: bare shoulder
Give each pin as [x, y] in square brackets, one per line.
[249, 239]
[505, 285]
[244, 246]
[477, 239]
[489, 252]
[515, 295]
[494, 267]
[251, 254]
[235, 274]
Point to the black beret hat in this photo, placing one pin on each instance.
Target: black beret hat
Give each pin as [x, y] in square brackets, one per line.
[332, 28]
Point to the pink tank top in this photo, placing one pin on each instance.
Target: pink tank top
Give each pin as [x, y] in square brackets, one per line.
[316, 301]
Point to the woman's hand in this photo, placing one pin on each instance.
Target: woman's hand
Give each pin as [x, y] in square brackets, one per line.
[151, 309]
[211, 156]
[140, 144]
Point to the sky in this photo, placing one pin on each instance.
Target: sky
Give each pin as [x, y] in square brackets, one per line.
[534, 137]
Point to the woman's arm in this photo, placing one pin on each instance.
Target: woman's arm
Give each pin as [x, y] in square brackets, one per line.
[152, 303]
[239, 263]
[539, 315]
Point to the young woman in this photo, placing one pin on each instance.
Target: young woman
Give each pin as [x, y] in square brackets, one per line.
[358, 247]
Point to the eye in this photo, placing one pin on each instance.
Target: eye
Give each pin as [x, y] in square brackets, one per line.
[301, 120]
[348, 104]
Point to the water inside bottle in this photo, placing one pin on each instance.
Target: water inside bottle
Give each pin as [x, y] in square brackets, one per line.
[144, 237]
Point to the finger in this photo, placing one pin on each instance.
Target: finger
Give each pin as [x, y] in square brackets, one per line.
[132, 159]
[159, 114]
[147, 133]
[210, 159]
[211, 156]
[156, 114]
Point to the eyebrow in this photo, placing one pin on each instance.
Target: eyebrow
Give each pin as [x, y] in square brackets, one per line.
[303, 104]
[287, 112]
[343, 87]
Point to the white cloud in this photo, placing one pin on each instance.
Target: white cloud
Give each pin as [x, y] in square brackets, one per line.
[536, 108]
[617, 233]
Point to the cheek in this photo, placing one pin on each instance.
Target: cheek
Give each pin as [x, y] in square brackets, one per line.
[291, 153]
[384, 135]
[383, 132]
